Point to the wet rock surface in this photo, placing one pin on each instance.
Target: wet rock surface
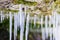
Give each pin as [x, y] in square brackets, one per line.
[5, 3]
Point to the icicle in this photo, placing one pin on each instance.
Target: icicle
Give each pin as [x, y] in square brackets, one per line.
[43, 33]
[22, 21]
[10, 25]
[27, 27]
[53, 14]
[57, 34]
[1, 16]
[35, 20]
[50, 30]
[25, 10]
[46, 26]
[15, 26]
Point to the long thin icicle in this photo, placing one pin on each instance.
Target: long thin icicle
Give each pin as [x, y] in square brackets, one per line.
[53, 14]
[57, 34]
[55, 26]
[25, 10]
[27, 27]
[22, 21]
[1, 16]
[50, 30]
[43, 33]
[10, 26]
[35, 20]
[46, 26]
[15, 26]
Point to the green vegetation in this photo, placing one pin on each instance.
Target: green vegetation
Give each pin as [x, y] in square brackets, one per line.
[9, 10]
[24, 2]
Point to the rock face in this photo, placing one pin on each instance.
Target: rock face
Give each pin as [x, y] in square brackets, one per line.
[5, 3]
[34, 0]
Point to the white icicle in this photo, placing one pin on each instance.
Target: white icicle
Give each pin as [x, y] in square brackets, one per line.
[10, 26]
[35, 20]
[43, 33]
[46, 26]
[22, 19]
[27, 27]
[15, 26]
[57, 34]
[25, 10]
[50, 30]
[53, 24]
[1, 16]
